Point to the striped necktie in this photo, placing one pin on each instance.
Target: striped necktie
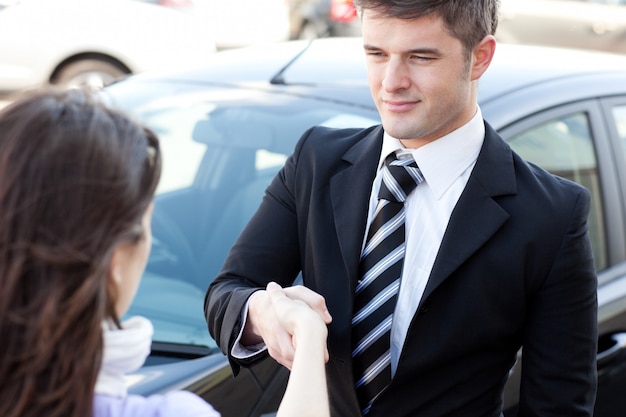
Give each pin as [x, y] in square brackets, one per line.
[381, 267]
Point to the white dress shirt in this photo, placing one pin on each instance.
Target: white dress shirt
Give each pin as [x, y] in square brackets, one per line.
[446, 165]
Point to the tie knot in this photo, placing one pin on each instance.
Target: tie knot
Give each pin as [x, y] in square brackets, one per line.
[400, 177]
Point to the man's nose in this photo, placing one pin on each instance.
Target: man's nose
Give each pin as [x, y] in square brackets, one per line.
[396, 76]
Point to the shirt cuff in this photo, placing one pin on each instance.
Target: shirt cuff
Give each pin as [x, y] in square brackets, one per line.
[239, 351]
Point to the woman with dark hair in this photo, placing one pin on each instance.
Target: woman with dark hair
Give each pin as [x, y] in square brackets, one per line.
[77, 181]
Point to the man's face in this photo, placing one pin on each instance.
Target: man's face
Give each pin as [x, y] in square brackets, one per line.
[418, 76]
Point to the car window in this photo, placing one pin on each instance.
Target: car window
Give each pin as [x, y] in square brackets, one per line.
[619, 115]
[174, 126]
[564, 146]
[221, 149]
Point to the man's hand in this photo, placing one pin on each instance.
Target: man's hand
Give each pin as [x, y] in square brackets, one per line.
[265, 324]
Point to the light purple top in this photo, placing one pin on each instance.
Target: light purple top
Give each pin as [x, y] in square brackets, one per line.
[173, 404]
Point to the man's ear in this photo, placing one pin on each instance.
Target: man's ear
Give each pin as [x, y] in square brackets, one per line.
[482, 56]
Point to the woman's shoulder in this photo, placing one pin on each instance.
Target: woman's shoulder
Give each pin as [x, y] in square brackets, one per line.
[173, 404]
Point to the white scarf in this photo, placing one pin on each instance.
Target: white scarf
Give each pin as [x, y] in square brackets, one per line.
[125, 351]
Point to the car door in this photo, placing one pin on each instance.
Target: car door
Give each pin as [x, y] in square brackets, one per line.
[586, 142]
[612, 292]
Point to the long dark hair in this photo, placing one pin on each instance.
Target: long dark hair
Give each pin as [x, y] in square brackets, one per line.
[75, 180]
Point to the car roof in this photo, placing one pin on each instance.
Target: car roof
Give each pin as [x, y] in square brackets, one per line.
[513, 65]
[520, 79]
[333, 61]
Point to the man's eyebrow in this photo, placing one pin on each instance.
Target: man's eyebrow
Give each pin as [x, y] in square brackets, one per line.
[425, 51]
[370, 47]
[418, 51]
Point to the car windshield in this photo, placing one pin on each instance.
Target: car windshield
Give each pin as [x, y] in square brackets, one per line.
[221, 147]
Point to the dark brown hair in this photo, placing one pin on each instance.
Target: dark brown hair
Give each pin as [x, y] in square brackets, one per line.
[75, 180]
[467, 20]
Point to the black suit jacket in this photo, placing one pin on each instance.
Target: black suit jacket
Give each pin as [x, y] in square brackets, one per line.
[514, 269]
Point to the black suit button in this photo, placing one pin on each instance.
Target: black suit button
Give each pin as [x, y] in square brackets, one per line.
[423, 309]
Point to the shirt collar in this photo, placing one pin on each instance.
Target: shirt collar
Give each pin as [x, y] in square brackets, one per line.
[458, 150]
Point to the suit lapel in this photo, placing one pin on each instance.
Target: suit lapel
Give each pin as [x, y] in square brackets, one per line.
[477, 215]
[350, 192]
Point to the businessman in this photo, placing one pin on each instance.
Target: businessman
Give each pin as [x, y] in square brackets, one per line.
[437, 251]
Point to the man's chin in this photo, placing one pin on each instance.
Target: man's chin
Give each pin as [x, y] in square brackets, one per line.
[399, 132]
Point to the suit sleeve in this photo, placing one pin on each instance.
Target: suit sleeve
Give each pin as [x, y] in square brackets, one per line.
[560, 337]
[267, 250]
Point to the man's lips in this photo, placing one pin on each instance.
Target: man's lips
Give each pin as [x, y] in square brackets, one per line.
[399, 106]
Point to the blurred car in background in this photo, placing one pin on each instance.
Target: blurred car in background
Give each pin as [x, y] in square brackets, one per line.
[93, 42]
[245, 22]
[312, 19]
[585, 24]
[226, 129]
